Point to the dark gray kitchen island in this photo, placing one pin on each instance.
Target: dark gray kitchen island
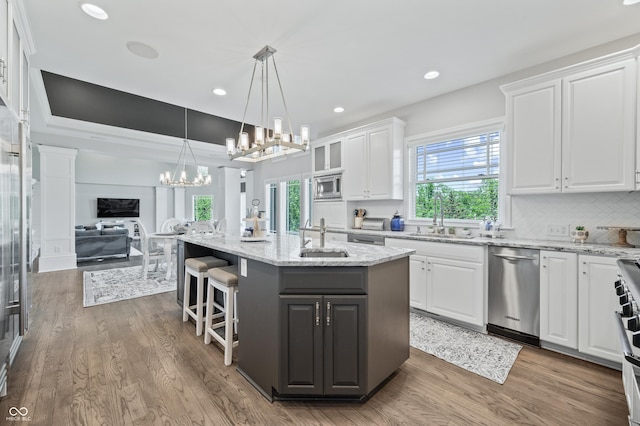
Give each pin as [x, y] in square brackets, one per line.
[314, 328]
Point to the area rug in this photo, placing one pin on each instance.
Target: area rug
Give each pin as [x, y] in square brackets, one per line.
[114, 285]
[485, 355]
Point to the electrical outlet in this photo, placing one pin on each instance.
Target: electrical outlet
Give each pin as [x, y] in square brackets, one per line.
[555, 230]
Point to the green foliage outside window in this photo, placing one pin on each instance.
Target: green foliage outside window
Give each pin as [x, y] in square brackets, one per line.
[203, 207]
[293, 206]
[458, 204]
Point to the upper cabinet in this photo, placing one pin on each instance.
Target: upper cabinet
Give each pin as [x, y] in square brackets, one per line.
[4, 46]
[327, 155]
[373, 162]
[573, 130]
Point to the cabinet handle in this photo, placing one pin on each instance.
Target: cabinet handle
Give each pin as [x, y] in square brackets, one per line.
[317, 313]
[328, 313]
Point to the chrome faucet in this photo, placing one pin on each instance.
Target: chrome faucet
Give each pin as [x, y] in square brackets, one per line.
[323, 230]
[439, 228]
[303, 240]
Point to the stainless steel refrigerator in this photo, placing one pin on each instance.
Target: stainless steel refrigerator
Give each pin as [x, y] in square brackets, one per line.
[15, 238]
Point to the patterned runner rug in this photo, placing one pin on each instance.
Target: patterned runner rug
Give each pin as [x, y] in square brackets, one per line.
[114, 285]
[485, 355]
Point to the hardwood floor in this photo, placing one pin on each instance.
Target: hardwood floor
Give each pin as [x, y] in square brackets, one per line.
[136, 362]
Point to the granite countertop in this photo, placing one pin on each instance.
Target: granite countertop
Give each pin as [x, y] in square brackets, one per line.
[580, 248]
[284, 250]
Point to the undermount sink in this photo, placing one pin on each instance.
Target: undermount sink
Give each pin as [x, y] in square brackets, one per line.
[323, 252]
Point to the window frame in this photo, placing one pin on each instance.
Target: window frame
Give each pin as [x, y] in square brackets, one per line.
[280, 202]
[466, 130]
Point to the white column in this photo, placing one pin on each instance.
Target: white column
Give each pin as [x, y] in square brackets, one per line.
[180, 204]
[227, 198]
[161, 206]
[57, 208]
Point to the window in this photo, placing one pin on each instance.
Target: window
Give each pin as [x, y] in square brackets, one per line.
[463, 167]
[292, 204]
[288, 203]
[202, 207]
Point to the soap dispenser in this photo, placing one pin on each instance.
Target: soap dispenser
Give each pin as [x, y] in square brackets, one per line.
[397, 223]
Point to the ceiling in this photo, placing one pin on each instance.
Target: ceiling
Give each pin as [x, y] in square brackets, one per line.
[368, 56]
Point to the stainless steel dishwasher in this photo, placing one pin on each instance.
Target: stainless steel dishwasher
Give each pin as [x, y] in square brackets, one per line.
[514, 293]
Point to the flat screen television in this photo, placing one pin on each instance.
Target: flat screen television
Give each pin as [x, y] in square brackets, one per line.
[118, 207]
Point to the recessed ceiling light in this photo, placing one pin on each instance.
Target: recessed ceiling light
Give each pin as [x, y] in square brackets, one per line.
[630, 2]
[94, 11]
[141, 49]
[431, 75]
[338, 109]
[219, 92]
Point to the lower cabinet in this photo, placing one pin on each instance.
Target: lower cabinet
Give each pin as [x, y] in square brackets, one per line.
[559, 298]
[596, 304]
[418, 281]
[455, 289]
[323, 345]
[577, 303]
[447, 279]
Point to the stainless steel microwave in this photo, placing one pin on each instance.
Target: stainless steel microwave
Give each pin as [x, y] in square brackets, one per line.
[327, 187]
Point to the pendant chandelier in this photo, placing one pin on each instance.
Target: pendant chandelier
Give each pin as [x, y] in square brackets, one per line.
[170, 180]
[268, 143]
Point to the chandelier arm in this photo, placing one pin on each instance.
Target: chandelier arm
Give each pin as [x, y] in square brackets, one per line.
[286, 110]
[246, 106]
[265, 82]
[193, 156]
[173, 178]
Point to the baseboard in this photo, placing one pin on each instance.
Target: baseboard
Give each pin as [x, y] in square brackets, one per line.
[56, 263]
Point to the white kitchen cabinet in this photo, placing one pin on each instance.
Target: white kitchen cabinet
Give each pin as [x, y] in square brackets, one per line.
[598, 129]
[533, 139]
[573, 130]
[15, 74]
[418, 281]
[333, 212]
[4, 46]
[559, 298]
[373, 162]
[327, 155]
[455, 289]
[455, 281]
[597, 302]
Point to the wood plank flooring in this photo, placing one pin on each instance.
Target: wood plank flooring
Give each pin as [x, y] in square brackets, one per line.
[136, 362]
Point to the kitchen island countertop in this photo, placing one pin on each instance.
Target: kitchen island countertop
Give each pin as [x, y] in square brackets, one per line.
[284, 250]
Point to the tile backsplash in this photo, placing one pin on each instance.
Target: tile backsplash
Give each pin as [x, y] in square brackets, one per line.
[532, 213]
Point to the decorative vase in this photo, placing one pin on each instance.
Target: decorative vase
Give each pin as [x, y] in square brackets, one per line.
[579, 236]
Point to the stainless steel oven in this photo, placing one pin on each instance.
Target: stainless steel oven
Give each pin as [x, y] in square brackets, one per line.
[327, 187]
[627, 321]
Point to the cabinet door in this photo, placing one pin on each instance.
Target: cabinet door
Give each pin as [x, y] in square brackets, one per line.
[379, 164]
[344, 345]
[14, 69]
[4, 46]
[418, 281]
[559, 298]
[597, 303]
[533, 139]
[319, 158]
[598, 131]
[335, 155]
[355, 173]
[301, 327]
[455, 290]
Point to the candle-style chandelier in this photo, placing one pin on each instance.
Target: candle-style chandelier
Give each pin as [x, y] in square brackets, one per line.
[170, 180]
[268, 143]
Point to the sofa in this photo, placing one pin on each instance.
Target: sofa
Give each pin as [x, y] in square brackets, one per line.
[93, 243]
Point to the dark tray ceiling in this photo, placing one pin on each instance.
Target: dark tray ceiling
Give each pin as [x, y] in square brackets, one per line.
[84, 101]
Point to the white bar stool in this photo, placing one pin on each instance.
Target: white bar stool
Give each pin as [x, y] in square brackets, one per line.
[197, 267]
[225, 280]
